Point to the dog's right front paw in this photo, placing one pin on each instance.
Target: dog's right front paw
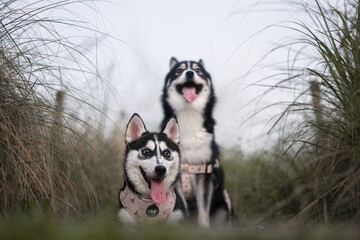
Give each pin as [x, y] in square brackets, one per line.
[175, 217]
[203, 222]
[125, 218]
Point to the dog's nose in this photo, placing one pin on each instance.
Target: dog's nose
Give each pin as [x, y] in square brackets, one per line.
[189, 74]
[160, 170]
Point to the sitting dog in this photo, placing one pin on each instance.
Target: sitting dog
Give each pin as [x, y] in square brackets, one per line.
[188, 94]
[151, 169]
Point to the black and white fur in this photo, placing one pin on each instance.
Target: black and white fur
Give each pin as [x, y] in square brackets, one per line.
[197, 141]
[146, 153]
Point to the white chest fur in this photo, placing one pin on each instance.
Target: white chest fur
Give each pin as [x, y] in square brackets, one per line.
[195, 142]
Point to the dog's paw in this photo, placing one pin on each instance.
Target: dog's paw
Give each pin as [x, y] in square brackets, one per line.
[125, 218]
[204, 222]
[175, 217]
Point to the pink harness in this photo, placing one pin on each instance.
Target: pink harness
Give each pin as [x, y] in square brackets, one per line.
[143, 209]
[187, 169]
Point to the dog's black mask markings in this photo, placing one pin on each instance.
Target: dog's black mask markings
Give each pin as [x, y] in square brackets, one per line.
[147, 153]
[190, 66]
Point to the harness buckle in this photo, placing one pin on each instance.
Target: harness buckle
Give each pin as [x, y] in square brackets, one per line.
[211, 166]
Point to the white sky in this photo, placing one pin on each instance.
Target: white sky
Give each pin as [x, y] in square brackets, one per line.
[231, 36]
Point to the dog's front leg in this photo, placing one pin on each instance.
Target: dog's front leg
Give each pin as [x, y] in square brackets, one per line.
[126, 218]
[204, 193]
[175, 217]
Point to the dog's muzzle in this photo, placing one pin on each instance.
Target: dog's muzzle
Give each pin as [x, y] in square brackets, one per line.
[147, 180]
[189, 74]
[160, 170]
[189, 83]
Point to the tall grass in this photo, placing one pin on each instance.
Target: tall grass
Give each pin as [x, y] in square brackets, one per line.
[312, 175]
[48, 151]
[334, 131]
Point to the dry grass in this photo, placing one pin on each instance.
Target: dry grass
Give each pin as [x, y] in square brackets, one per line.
[312, 175]
[50, 157]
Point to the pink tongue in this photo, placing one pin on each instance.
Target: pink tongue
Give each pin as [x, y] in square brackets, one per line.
[157, 192]
[189, 93]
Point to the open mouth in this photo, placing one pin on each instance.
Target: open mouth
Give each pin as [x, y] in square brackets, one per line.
[147, 179]
[189, 90]
[156, 186]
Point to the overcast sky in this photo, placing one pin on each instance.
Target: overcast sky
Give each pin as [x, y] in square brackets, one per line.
[231, 36]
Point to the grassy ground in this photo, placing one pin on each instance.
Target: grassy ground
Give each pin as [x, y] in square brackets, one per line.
[104, 227]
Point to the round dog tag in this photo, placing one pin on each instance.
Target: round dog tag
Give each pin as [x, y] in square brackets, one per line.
[152, 211]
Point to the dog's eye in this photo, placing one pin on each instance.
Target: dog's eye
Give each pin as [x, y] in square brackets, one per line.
[179, 71]
[146, 152]
[198, 71]
[167, 153]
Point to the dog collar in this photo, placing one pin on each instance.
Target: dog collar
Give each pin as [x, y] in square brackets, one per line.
[143, 209]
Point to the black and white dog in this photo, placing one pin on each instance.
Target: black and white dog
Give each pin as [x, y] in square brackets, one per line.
[188, 94]
[151, 169]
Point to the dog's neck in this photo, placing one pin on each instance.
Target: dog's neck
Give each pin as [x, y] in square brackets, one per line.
[195, 140]
[190, 120]
[203, 114]
[132, 188]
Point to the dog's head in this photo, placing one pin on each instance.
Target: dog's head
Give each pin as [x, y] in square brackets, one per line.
[152, 159]
[187, 84]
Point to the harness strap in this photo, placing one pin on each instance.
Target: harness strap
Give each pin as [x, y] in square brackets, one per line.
[143, 209]
[187, 169]
[199, 168]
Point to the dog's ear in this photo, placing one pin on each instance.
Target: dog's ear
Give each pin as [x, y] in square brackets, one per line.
[171, 130]
[173, 62]
[135, 128]
[201, 62]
